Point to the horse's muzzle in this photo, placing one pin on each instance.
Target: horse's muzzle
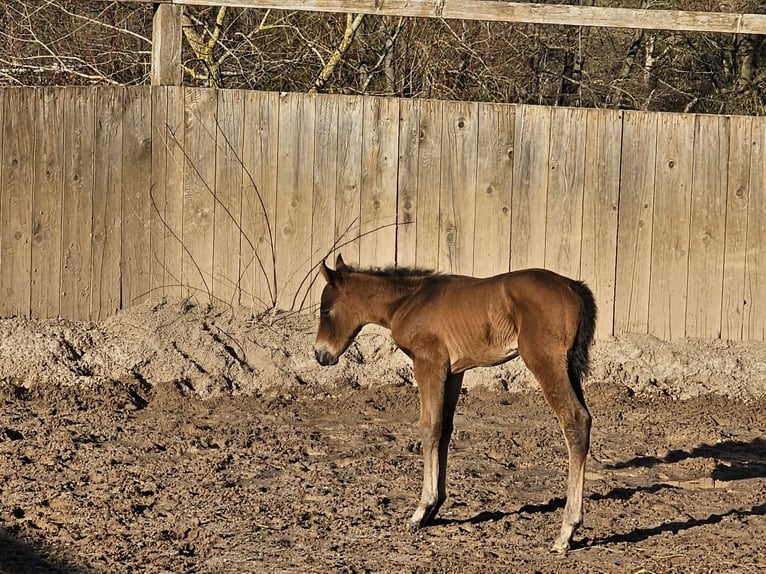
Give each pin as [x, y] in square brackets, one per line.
[325, 357]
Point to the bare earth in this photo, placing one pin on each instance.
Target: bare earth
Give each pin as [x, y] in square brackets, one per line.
[175, 438]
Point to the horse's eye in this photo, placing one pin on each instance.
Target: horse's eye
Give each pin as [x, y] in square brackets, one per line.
[324, 311]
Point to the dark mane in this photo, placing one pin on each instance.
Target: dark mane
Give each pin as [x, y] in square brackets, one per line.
[394, 271]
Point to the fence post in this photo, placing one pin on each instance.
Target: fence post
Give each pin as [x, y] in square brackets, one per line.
[166, 45]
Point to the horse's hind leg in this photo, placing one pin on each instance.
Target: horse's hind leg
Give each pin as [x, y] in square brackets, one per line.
[550, 370]
[439, 392]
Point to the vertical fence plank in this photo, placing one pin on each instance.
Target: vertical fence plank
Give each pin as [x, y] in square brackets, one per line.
[136, 202]
[173, 138]
[295, 178]
[706, 230]
[737, 199]
[458, 189]
[158, 194]
[348, 189]
[429, 184]
[46, 203]
[409, 137]
[377, 246]
[530, 186]
[634, 236]
[494, 183]
[670, 244]
[600, 203]
[261, 145]
[227, 211]
[200, 119]
[77, 204]
[755, 259]
[325, 182]
[107, 204]
[566, 178]
[16, 203]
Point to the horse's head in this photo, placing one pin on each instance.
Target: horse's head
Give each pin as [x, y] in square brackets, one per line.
[339, 319]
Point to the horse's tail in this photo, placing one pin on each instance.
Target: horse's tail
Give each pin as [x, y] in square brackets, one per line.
[578, 356]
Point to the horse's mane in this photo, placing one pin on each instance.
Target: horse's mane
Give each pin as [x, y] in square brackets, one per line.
[393, 271]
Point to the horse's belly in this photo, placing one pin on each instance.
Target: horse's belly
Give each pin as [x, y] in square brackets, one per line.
[488, 358]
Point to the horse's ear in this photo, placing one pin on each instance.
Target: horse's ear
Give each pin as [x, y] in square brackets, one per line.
[340, 265]
[332, 276]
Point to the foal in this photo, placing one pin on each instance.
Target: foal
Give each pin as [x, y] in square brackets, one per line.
[448, 324]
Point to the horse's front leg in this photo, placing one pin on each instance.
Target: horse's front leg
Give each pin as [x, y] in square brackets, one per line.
[439, 392]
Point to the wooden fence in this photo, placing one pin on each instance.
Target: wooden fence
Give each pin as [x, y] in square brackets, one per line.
[109, 196]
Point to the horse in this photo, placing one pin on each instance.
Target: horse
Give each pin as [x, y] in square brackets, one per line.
[448, 324]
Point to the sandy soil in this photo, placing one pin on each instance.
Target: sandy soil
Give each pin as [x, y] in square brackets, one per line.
[174, 438]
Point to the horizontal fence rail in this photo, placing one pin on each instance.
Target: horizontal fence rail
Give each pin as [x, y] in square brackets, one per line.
[111, 196]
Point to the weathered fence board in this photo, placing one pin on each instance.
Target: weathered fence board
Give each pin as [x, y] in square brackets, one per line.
[429, 184]
[107, 204]
[259, 199]
[670, 231]
[566, 178]
[494, 185]
[737, 199]
[18, 173]
[325, 182]
[598, 250]
[407, 181]
[380, 143]
[46, 203]
[349, 169]
[111, 195]
[77, 202]
[199, 192]
[635, 223]
[458, 187]
[755, 258]
[227, 210]
[295, 184]
[530, 187]
[136, 202]
[706, 229]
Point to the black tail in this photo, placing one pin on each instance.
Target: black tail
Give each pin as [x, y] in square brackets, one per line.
[578, 356]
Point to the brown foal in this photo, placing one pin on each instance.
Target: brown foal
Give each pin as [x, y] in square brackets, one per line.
[448, 324]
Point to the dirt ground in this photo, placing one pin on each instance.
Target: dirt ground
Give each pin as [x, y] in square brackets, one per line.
[174, 438]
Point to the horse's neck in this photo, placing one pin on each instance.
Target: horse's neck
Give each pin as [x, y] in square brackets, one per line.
[381, 296]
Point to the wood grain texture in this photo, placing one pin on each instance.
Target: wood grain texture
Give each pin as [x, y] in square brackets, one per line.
[407, 200]
[227, 210]
[670, 244]
[754, 304]
[18, 173]
[707, 227]
[635, 222]
[136, 201]
[106, 242]
[598, 251]
[566, 180]
[259, 200]
[325, 182]
[458, 187]
[77, 203]
[349, 186]
[200, 117]
[429, 184]
[380, 141]
[494, 186]
[295, 189]
[737, 203]
[530, 186]
[47, 203]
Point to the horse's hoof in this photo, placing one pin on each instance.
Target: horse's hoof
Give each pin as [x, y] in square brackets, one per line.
[560, 547]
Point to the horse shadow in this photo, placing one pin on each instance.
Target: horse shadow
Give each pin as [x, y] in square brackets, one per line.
[735, 460]
[20, 556]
